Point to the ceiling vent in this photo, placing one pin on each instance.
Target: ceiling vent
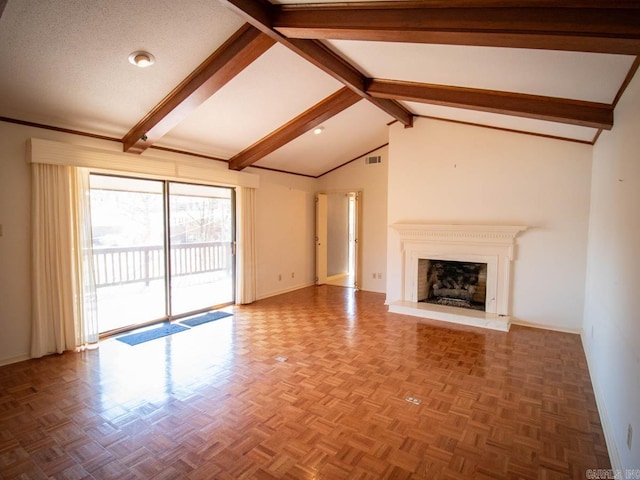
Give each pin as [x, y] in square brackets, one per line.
[370, 160]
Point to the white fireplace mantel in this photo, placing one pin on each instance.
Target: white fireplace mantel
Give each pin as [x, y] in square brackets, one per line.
[490, 244]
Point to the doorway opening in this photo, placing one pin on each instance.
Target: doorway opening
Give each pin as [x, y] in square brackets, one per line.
[337, 239]
[161, 250]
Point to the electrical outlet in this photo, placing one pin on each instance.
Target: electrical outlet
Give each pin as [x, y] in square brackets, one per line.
[379, 276]
[629, 436]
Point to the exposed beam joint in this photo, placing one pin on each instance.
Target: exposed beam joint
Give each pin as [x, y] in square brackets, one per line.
[319, 55]
[600, 28]
[327, 108]
[259, 13]
[573, 112]
[245, 46]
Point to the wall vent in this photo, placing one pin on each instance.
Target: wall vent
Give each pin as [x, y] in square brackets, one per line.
[370, 160]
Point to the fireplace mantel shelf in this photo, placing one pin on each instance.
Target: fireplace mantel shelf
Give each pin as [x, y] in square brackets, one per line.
[455, 232]
[490, 244]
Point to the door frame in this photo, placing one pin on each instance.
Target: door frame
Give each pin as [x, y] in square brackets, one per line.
[357, 241]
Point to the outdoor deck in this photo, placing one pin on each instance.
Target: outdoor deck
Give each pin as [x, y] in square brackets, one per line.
[130, 281]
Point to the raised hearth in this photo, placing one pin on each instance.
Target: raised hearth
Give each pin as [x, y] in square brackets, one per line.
[492, 245]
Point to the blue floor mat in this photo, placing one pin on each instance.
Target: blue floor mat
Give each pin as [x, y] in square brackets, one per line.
[206, 318]
[165, 330]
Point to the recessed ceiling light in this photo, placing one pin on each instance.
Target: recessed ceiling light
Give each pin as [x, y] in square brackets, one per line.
[318, 130]
[141, 59]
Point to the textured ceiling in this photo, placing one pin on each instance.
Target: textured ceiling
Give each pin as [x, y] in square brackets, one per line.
[581, 76]
[272, 90]
[346, 136]
[64, 64]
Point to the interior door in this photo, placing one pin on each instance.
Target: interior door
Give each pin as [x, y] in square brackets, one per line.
[321, 239]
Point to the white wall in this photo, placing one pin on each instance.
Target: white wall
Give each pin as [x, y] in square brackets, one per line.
[284, 231]
[285, 228]
[15, 280]
[443, 172]
[371, 181]
[611, 332]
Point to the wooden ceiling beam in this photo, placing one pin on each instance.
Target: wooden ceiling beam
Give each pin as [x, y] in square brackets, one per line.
[573, 112]
[604, 27]
[327, 108]
[245, 46]
[259, 14]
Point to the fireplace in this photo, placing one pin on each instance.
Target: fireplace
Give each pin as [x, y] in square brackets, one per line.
[451, 257]
[454, 284]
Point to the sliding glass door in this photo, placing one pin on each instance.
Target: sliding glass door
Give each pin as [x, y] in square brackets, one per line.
[127, 221]
[201, 244]
[161, 249]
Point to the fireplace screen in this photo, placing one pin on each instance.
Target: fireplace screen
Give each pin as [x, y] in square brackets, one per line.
[455, 284]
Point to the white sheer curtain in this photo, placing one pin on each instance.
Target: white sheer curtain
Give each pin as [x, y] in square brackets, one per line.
[246, 284]
[86, 300]
[63, 295]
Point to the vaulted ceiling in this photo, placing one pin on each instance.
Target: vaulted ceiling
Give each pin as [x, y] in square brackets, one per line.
[247, 81]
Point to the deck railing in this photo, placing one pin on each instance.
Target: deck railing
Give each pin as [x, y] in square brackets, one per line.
[121, 265]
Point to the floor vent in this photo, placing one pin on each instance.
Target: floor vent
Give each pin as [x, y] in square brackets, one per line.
[370, 160]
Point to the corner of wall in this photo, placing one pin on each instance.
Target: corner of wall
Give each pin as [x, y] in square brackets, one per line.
[607, 428]
[610, 328]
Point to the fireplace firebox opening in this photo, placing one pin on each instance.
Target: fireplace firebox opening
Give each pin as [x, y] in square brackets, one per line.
[452, 283]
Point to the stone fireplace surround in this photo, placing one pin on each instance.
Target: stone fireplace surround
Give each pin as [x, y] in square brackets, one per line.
[490, 244]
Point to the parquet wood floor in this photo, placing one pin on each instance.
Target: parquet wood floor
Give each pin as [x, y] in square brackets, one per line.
[215, 403]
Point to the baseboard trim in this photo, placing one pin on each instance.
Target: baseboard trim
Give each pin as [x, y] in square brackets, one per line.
[381, 292]
[287, 290]
[609, 438]
[554, 328]
[10, 360]
[337, 276]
